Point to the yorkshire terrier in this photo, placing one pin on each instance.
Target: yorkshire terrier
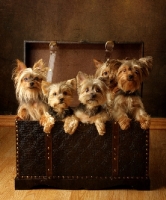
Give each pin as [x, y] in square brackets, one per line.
[127, 102]
[108, 69]
[92, 96]
[59, 97]
[28, 89]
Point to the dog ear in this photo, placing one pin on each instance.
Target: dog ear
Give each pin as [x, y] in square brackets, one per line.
[20, 66]
[81, 77]
[146, 65]
[97, 63]
[72, 82]
[40, 68]
[38, 65]
[45, 87]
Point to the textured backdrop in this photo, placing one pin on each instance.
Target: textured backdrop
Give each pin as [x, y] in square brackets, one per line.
[90, 20]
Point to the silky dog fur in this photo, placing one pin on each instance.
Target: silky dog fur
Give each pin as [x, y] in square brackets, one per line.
[108, 69]
[92, 96]
[28, 89]
[59, 97]
[127, 103]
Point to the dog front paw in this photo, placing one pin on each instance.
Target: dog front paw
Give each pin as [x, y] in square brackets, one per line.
[70, 124]
[42, 120]
[124, 123]
[144, 122]
[100, 126]
[47, 128]
[22, 114]
[18, 118]
[47, 121]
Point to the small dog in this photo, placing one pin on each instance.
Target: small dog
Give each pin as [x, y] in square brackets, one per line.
[108, 69]
[59, 96]
[127, 102]
[28, 89]
[92, 96]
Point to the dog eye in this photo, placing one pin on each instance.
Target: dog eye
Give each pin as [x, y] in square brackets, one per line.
[124, 70]
[36, 79]
[105, 73]
[98, 90]
[137, 72]
[25, 79]
[87, 90]
[64, 93]
[54, 93]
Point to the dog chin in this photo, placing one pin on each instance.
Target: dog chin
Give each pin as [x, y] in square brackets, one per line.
[92, 102]
[32, 88]
[62, 105]
[129, 86]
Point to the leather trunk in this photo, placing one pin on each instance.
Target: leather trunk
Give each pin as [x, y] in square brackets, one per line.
[84, 160]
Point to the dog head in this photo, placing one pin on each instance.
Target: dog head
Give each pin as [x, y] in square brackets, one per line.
[91, 91]
[131, 73]
[108, 69]
[59, 95]
[28, 81]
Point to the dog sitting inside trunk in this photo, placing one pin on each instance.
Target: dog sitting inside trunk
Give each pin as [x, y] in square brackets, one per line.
[127, 102]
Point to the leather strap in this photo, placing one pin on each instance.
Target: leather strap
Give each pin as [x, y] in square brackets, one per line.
[48, 140]
[53, 48]
[115, 148]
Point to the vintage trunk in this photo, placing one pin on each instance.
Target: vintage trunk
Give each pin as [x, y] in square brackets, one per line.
[84, 160]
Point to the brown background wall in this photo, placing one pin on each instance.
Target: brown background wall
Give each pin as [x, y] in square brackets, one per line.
[90, 20]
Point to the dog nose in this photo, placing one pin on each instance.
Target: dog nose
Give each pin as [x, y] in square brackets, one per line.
[61, 100]
[130, 77]
[31, 84]
[93, 95]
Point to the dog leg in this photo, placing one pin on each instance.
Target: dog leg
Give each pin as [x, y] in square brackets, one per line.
[100, 126]
[22, 114]
[47, 122]
[142, 117]
[71, 124]
[124, 122]
[144, 121]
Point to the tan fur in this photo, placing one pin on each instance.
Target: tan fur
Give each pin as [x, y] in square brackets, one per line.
[92, 95]
[28, 90]
[127, 103]
[59, 96]
[108, 69]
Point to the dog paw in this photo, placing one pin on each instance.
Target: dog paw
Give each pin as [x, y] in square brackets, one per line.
[22, 114]
[42, 120]
[124, 123]
[70, 124]
[144, 122]
[100, 126]
[47, 121]
[18, 118]
[47, 128]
